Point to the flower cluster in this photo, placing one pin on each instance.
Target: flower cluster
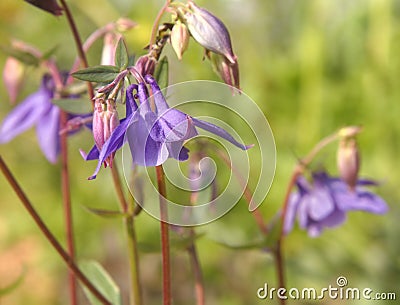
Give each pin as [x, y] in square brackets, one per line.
[325, 202]
[154, 131]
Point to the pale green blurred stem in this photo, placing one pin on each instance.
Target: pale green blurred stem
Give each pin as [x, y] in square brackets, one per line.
[128, 208]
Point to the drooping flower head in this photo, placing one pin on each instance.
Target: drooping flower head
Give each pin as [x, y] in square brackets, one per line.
[325, 202]
[37, 109]
[154, 131]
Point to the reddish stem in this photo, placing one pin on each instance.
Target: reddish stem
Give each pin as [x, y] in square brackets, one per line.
[47, 233]
[66, 195]
[164, 236]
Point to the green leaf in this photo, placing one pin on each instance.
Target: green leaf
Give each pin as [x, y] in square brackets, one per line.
[14, 285]
[23, 56]
[106, 213]
[161, 73]
[99, 74]
[74, 105]
[100, 278]
[121, 55]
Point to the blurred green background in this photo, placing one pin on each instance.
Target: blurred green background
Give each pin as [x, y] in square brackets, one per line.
[312, 66]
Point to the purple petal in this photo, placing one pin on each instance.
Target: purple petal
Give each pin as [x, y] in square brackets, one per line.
[92, 155]
[172, 126]
[25, 115]
[219, 132]
[144, 150]
[114, 142]
[291, 212]
[320, 204]
[178, 151]
[159, 100]
[130, 100]
[47, 130]
[363, 201]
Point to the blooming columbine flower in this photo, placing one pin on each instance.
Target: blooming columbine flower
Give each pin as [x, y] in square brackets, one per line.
[38, 110]
[154, 132]
[325, 203]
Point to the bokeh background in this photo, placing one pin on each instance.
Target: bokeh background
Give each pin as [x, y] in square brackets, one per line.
[312, 66]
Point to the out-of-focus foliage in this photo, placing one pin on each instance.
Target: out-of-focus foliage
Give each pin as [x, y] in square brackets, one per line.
[312, 66]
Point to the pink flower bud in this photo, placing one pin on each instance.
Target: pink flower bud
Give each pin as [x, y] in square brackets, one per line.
[108, 53]
[13, 76]
[145, 65]
[348, 161]
[125, 24]
[105, 121]
[225, 69]
[179, 38]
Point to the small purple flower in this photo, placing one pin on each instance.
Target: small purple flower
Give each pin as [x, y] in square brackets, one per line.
[37, 109]
[325, 203]
[154, 132]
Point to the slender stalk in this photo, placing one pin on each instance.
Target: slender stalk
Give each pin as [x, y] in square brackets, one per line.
[247, 194]
[156, 23]
[47, 233]
[78, 43]
[128, 208]
[298, 170]
[198, 275]
[66, 196]
[164, 236]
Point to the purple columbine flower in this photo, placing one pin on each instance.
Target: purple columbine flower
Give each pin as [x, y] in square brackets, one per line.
[154, 132]
[325, 203]
[37, 109]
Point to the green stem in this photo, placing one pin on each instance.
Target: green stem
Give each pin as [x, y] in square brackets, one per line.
[128, 208]
[66, 195]
[165, 251]
[47, 233]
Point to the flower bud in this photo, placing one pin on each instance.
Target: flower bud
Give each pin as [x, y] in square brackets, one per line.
[146, 65]
[125, 24]
[105, 120]
[226, 70]
[108, 52]
[13, 75]
[209, 31]
[348, 161]
[179, 38]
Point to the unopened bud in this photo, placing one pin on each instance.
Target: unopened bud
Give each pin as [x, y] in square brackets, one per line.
[105, 120]
[108, 53]
[348, 161]
[146, 65]
[209, 31]
[179, 38]
[125, 24]
[226, 70]
[13, 76]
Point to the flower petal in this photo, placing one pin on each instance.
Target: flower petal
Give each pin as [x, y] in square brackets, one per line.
[219, 132]
[47, 130]
[93, 154]
[144, 150]
[25, 115]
